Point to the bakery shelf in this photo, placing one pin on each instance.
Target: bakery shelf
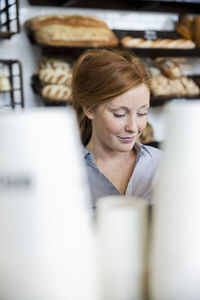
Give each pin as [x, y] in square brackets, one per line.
[157, 52]
[184, 6]
[159, 101]
[14, 97]
[9, 18]
[74, 52]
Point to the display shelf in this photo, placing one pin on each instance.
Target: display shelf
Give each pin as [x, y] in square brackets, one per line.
[14, 97]
[184, 6]
[158, 101]
[47, 50]
[9, 18]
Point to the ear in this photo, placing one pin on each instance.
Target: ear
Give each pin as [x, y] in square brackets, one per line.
[88, 113]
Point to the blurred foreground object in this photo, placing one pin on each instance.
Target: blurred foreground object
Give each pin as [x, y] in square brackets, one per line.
[46, 238]
[175, 258]
[122, 245]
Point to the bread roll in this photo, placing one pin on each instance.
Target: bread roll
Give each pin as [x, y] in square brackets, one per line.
[197, 30]
[57, 76]
[170, 69]
[55, 63]
[5, 84]
[160, 43]
[185, 26]
[56, 92]
[71, 30]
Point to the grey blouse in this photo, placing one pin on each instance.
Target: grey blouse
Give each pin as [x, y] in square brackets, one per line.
[140, 183]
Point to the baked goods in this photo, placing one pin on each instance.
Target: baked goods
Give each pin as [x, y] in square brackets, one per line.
[71, 30]
[185, 26]
[159, 43]
[5, 84]
[197, 30]
[55, 63]
[179, 87]
[147, 135]
[56, 91]
[170, 69]
[54, 76]
[191, 88]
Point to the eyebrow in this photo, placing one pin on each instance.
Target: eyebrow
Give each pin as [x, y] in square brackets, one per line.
[124, 107]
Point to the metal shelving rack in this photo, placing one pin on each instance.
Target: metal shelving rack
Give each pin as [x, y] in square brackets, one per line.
[9, 18]
[14, 98]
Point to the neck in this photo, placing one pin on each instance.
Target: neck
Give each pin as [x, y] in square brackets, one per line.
[102, 153]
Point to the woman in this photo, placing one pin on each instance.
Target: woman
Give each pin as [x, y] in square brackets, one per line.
[111, 93]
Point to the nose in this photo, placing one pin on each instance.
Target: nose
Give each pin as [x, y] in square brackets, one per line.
[131, 124]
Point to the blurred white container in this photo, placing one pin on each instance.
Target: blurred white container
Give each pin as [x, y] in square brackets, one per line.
[46, 238]
[122, 244]
[175, 258]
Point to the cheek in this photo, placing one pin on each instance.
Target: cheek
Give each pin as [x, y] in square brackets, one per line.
[142, 124]
[113, 126]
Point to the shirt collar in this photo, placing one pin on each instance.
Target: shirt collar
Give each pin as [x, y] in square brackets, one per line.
[138, 148]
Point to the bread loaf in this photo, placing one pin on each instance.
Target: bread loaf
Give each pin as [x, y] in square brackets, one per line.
[71, 30]
[160, 43]
[5, 84]
[197, 30]
[57, 76]
[56, 92]
[185, 26]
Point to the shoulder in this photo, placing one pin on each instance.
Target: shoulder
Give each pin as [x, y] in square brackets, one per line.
[151, 151]
[150, 156]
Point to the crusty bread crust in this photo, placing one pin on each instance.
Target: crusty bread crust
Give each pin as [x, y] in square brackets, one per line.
[68, 35]
[71, 30]
[74, 20]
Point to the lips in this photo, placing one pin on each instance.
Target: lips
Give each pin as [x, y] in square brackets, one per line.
[127, 139]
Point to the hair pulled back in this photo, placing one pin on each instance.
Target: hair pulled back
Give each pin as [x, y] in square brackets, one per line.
[100, 75]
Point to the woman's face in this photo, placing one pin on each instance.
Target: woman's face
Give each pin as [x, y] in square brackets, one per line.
[117, 125]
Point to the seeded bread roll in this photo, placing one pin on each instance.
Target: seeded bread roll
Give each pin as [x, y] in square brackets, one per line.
[56, 92]
[57, 76]
[71, 30]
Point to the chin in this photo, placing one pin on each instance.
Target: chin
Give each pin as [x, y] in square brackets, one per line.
[126, 147]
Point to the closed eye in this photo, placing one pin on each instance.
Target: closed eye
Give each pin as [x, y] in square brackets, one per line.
[142, 114]
[119, 115]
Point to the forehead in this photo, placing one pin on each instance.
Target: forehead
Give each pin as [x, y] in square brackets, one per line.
[136, 97]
